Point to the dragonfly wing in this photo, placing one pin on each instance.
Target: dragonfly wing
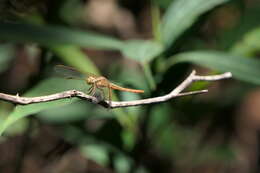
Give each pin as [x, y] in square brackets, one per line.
[69, 72]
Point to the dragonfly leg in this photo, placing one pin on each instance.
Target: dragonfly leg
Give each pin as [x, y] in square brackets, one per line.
[92, 90]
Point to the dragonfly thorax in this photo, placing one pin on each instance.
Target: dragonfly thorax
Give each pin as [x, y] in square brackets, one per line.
[91, 80]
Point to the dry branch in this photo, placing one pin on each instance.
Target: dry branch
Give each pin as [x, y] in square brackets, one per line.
[74, 93]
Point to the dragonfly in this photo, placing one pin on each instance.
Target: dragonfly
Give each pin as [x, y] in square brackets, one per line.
[95, 81]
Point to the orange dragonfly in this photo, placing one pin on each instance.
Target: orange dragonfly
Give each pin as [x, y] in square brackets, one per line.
[96, 82]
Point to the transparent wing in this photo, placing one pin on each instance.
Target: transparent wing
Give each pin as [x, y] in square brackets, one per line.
[69, 72]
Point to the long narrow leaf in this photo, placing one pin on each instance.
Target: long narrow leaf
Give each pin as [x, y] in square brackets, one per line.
[73, 56]
[249, 44]
[182, 14]
[55, 35]
[142, 51]
[242, 68]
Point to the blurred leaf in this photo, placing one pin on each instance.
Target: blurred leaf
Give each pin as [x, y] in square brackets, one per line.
[122, 163]
[74, 56]
[48, 86]
[179, 142]
[97, 153]
[249, 44]
[149, 76]
[242, 68]
[182, 14]
[18, 128]
[76, 111]
[200, 85]
[133, 112]
[129, 139]
[97, 149]
[131, 77]
[156, 22]
[6, 54]
[142, 51]
[52, 36]
[248, 21]
[55, 35]
[167, 140]
[104, 153]
[158, 122]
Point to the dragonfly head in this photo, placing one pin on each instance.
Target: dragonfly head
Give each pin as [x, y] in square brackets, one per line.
[90, 80]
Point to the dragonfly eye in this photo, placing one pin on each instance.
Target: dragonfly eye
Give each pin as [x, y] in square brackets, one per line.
[90, 80]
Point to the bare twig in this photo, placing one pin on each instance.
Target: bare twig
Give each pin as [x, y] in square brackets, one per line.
[74, 93]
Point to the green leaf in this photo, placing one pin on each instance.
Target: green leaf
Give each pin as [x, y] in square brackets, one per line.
[97, 153]
[74, 56]
[55, 35]
[182, 14]
[122, 163]
[142, 51]
[249, 44]
[158, 123]
[242, 68]
[76, 111]
[246, 23]
[48, 86]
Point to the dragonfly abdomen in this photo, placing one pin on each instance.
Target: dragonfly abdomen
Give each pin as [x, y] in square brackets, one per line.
[116, 87]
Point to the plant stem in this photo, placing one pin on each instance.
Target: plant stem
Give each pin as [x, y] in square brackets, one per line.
[155, 12]
[149, 76]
